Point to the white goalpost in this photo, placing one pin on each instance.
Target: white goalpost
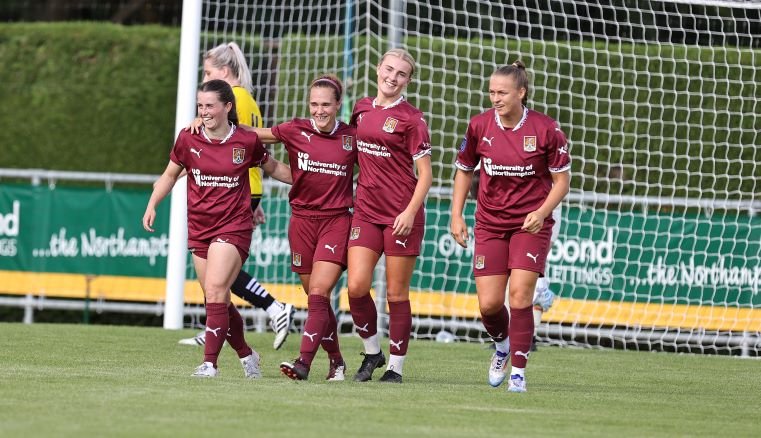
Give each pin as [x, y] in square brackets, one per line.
[187, 81]
[660, 242]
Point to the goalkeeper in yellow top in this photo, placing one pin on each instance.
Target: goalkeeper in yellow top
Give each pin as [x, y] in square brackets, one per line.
[226, 62]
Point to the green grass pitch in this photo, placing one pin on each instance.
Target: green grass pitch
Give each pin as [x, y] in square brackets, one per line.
[106, 381]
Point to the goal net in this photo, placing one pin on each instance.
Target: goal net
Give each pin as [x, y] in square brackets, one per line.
[660, 243]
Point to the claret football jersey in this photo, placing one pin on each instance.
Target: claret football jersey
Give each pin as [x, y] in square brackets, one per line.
[389, 140]
[322, 165]
[219, 199]
[516, 165]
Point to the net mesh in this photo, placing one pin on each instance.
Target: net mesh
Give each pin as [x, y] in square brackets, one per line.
[659, 243]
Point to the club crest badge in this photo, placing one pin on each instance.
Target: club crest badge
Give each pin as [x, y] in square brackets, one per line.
[529, 143]
[296, 259]
[348, 140]
[354, 233]
[390, 125]
[239, 154]
[480, 261]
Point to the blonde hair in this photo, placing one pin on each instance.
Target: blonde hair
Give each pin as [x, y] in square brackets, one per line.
[403, 54]
[229, 55]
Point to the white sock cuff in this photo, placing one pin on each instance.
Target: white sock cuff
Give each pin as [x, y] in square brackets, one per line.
[275, 308]
[372, 344]
[503, 346]
[396, 363]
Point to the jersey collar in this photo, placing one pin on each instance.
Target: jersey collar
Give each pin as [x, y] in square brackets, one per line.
[227, 137]
[518, 126]
[391, 105]
[335, 128]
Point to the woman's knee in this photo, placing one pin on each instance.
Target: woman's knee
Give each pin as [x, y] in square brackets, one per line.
[320, 290]
[215, 292]
[490, 306]
[520, 297]
[358, 288]
[398, 294]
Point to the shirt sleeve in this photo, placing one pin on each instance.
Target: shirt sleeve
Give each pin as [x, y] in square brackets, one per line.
[358, 109]
[260, 154]
[177, 154]
[418, 138]
[279, 131]
[558, 159]
[467, 157]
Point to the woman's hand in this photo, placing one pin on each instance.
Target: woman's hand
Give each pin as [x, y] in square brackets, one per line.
[459, 230]
[195, 126]
[533, 223]
[403, 223]
[148, 218]
[259, 217]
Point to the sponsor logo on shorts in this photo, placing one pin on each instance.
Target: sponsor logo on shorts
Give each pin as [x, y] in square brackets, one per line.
[296, 259]
[390, 124]
[529, 143]
[239, 154]
[354, 233]
[480, 261]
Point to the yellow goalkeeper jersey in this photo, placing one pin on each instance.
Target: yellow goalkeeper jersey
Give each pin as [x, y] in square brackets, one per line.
[249, 114]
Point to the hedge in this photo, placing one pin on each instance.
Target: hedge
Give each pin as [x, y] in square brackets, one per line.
[87, 96]
[673, 120]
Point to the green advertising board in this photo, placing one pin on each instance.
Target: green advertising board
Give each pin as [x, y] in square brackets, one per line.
[671, 258]
[600, 255]
[80, 230]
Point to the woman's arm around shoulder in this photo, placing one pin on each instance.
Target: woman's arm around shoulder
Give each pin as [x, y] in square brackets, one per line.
[278, 170]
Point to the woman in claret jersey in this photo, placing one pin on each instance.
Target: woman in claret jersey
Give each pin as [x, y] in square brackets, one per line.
[524, 175]
[322, 152]
[227, 62]
[389, 218]
[220, 220]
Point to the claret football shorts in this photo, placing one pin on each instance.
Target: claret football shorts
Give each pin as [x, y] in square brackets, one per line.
[380, 239]
[496, 253]
[314, 239]
[241, 241]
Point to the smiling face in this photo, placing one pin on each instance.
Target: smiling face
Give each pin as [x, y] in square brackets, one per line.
[323, 107]
[394, 74]
[212, 110]
[506, 97]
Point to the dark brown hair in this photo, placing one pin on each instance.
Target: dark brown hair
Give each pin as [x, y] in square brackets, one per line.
[329, 81]
[224, 93]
